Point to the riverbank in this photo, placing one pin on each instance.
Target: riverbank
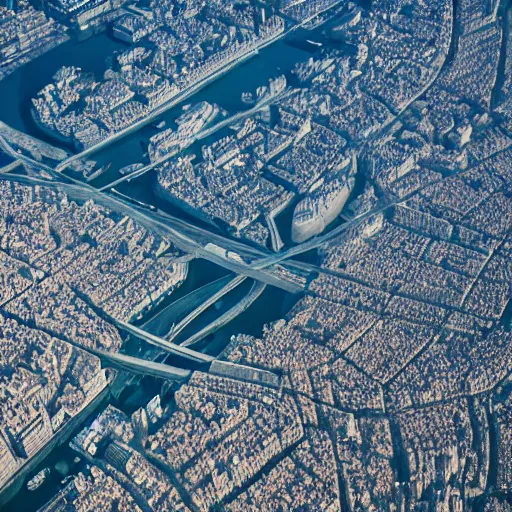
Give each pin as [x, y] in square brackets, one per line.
[27, 58]
[19, 87]
[16, 482]
[268, 306]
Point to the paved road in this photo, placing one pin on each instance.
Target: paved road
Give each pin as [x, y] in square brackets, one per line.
[172, 348]
[178, 329]
[188, 92]
[161, 323]
[254, 293]
[145, 367]
[161, 224]
[203, 134]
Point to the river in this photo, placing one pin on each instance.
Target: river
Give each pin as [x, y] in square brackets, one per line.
[92, 55]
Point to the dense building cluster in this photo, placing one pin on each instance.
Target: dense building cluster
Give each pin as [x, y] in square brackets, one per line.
[85, 14]
[45, 384]
[401, 349]
[94, 491]
[411, 313]
[304, 141]
[60, 263]
[113, 445]
[63, 260]
[246, 179]
[387, 386]
[223, 433]
[176, 47]
[25, 33]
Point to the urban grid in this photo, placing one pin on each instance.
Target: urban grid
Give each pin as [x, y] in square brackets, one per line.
[256, 255]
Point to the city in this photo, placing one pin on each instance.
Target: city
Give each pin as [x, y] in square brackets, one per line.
[256, 255]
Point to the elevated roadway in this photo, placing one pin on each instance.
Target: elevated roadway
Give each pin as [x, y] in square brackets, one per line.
[144, 367]
[178, 329]
[162, 322]
[167, 226]
[254, 293]
[172, 348]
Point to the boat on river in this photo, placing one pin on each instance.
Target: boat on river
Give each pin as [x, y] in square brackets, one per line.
[38, 479]
[130, 168]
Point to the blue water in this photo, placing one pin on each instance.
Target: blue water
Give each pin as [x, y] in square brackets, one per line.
[20, 87]
[92, 55]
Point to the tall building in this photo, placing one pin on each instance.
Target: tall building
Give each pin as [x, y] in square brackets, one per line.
[8, 462]
[35, 434]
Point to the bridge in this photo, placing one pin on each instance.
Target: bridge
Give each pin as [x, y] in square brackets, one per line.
[254, 293]
[172, 348]
[178, 329]
[162, 323]
[144, 367]
[191, 90]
